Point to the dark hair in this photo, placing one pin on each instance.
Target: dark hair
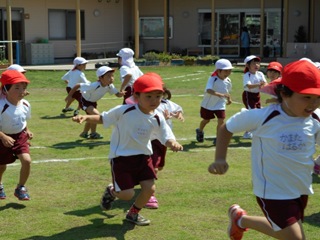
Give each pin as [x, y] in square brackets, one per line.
[280, 88]
[167, 93]
[7, 86]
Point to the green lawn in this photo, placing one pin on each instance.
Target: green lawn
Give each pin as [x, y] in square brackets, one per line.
[69, 174]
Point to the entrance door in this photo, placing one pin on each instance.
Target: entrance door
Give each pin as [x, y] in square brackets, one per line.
[17, 28]
[228, 34]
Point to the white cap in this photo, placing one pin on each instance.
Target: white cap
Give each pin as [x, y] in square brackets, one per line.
[103, 70]
[79, 60]
[16, 67]
[125, 53]
[223, 64]
[251, 57]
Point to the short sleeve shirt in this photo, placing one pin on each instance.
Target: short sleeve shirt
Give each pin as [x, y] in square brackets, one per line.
[135, 72]
[92, 92]
[75, 76]
[249, 78]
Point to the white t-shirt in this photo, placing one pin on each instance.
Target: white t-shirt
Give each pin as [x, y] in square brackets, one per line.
[135, 72]
[171, 107]
[92, 92]
[133, 129]
[212, 102]
[13, 119]
[282, 151]
[249, 78]
[75, 76]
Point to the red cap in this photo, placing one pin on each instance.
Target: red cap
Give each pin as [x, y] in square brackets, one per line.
[301, 77]
[148, 82]
[275, 66]
[12, 77]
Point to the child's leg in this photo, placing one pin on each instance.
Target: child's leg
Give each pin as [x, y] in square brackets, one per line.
[147, 189]
[219, 124]
[203, 123]
[261, 224]
[25, 160]
[2, 170]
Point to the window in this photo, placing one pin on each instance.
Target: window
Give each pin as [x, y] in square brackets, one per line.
[62, 24]
[153, 27]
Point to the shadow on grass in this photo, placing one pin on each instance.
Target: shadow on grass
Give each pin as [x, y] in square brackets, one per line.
[236, 142]
[313, 219]
[61, 116]
[12, 205]
[88, 143]
[98, 229]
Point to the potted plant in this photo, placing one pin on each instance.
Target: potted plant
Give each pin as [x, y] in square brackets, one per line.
[189, 60]
[176, 60]
[151, 58]
[140, 61]
[207, 60]
[164, 58]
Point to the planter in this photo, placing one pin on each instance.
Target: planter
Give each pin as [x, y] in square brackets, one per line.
[177, 62]
[204, 62]
[152, 63]
[140, 63]
[189, 62]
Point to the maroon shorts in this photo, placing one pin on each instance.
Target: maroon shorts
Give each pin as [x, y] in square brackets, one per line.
[10, 154]
[211, 114]
[84, 104]
[283, 213]
[129, 171]
[251, 100]
[129, 92]
[159, 154]
[76, 95]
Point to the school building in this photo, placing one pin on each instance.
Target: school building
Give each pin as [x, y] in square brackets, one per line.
[47, 31]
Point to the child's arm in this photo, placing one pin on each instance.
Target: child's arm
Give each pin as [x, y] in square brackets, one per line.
[120, 94]
[174, 145]
[125, 82]
[30, 134]
[72, 91]
[220, 165]
[178, 115]
[6, 140]
[97, 119]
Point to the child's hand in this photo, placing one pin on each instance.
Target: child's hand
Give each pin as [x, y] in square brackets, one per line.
[30, 135]
[218, 167]
[166, 114]
[7, 141]
[178, 115]
[79, 118]
[174, 145]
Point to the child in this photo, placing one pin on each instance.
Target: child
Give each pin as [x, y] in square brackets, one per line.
[129, 72]
[130, 145]
[91, 93]
[71, 78]
[14, 133]
[283, 145]
[169, 109]
[216, 97]
[274, 71]
[253, 80]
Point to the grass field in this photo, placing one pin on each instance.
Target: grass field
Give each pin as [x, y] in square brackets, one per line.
[69, 174]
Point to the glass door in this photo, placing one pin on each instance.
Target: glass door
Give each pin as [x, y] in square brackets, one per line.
[228, 32]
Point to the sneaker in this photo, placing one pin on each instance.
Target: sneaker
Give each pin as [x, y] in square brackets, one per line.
[200, 135]
[316, 169]
[107, 198]
[247, 135]
[84, 135]
[152, 203]
[95, 135]
[69, 109]
[235, 213]
[2, 193]
[21, 193]
[76, 113]
[137, 219]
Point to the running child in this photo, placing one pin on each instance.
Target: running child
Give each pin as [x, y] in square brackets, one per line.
[14, 133]
[129, 71]
[253, 80]
[71, 78]
[283, 145]
[91, 93]
[216, 97]
[130, 145]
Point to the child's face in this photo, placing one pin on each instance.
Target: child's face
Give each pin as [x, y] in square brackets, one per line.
[16, 92]
[272, 74]
[253, 66]
[149, 101]
[300, 105]
[223, 74]
[82, 67]
[106, 79]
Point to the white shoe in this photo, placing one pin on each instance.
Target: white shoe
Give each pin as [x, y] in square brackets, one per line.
[247, 135]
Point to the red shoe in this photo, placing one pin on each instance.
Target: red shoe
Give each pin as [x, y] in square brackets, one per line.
[234, 231]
